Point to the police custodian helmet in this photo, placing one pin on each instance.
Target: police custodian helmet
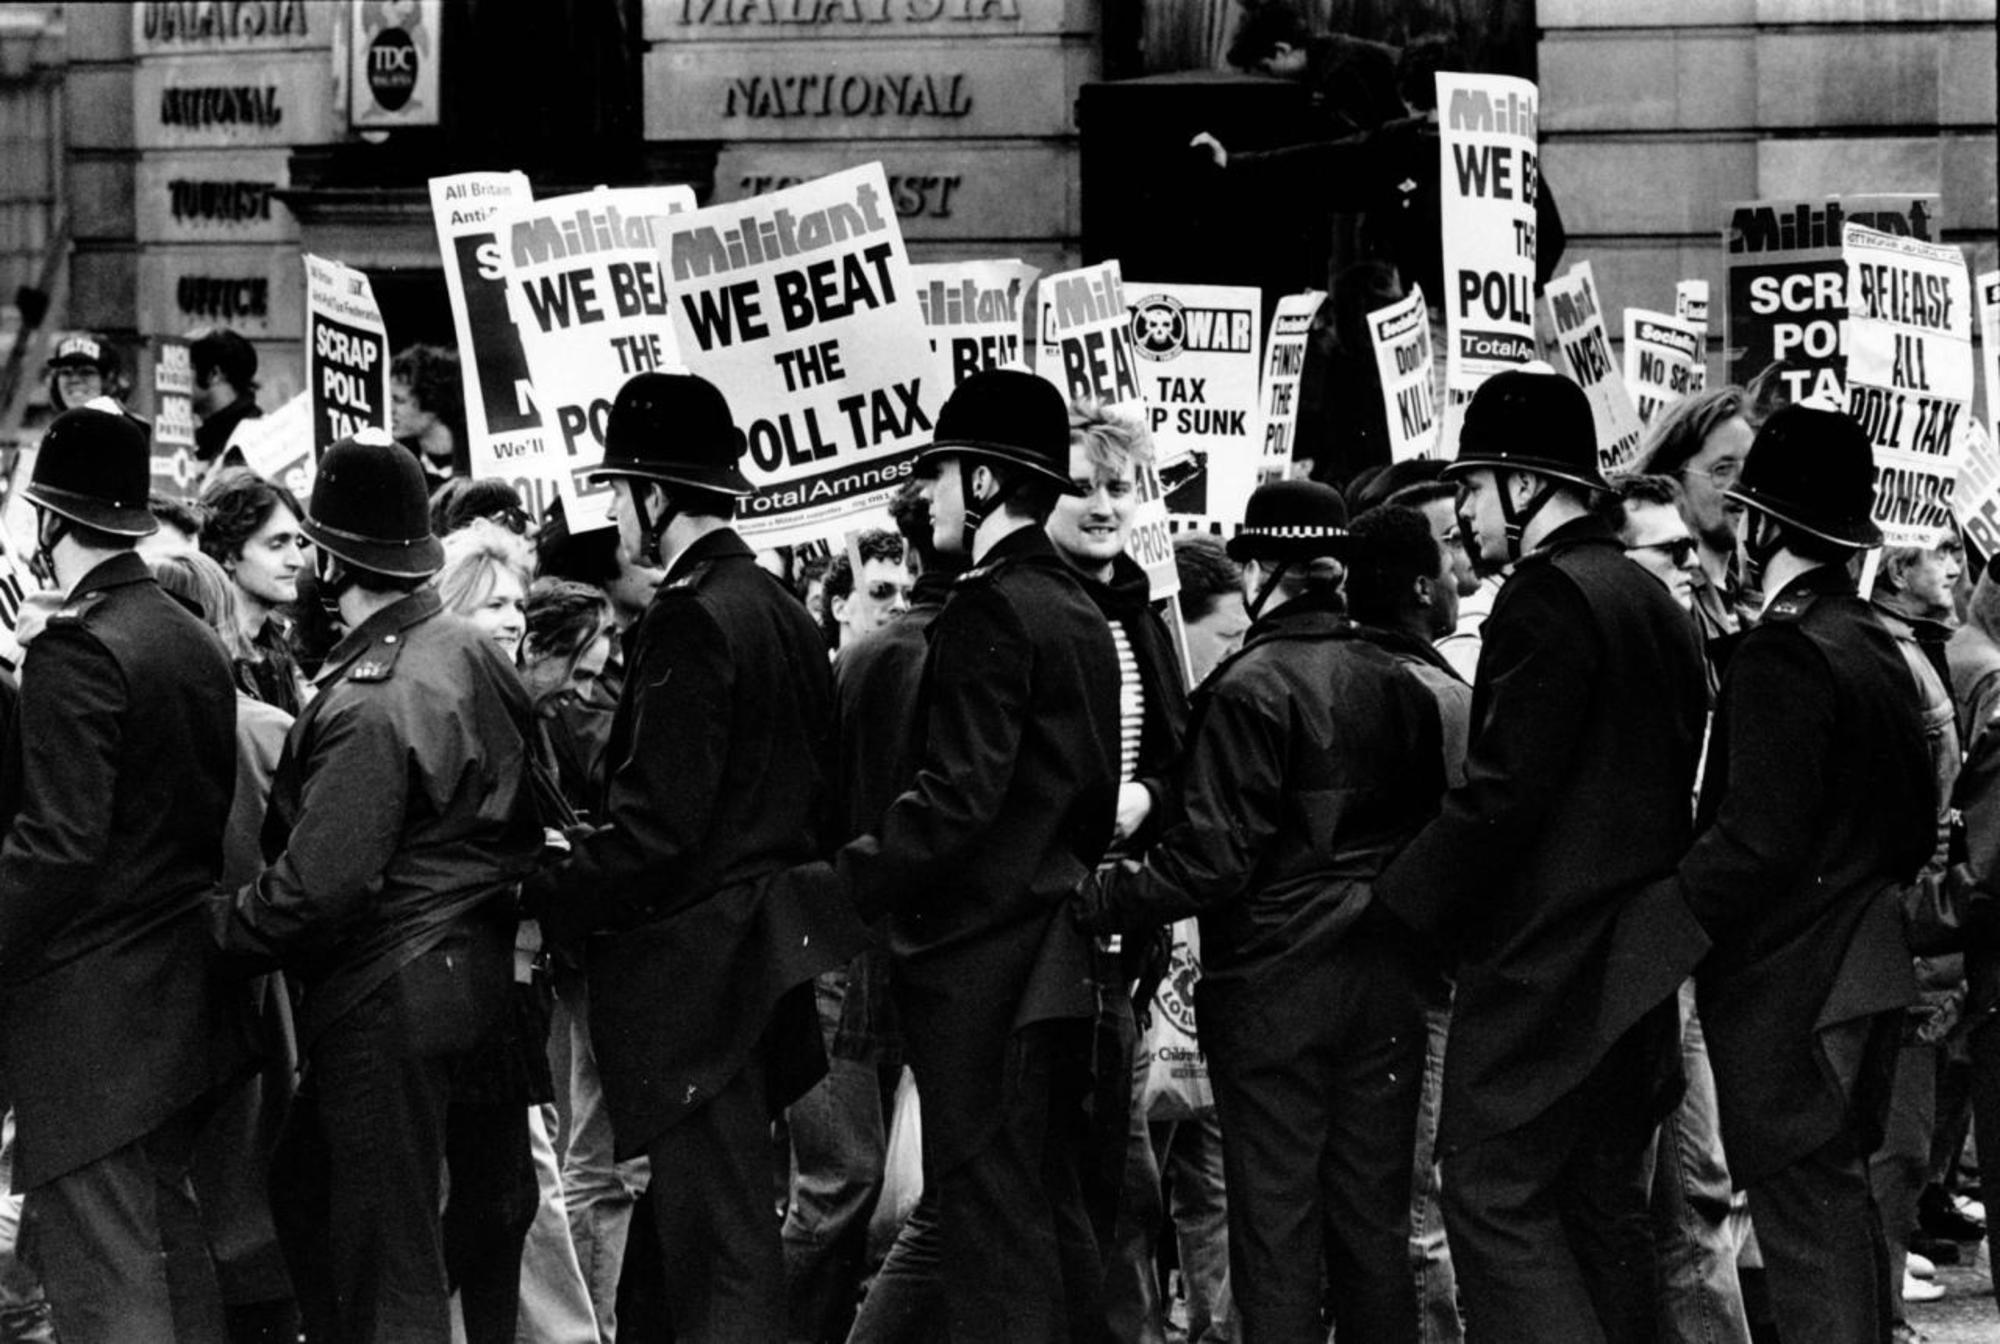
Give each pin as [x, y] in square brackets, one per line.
[674, 428]
[1536, 422]
[1009, 416]
[1292, 522]
[1813, 469]
[369, 509]
[95, 468]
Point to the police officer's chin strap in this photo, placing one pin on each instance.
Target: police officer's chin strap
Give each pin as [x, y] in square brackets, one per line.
[976, 511]
[652, 530]
[50, 528]
[1517, 519]
[1270, 585]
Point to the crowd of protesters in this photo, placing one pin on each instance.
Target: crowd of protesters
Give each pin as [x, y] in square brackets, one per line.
[1591, 888]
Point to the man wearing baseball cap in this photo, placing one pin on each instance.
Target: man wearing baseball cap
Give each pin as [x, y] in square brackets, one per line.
[1013, 804]
[1819, 804]
[408, 818]
[1314, 755]
[115, 789]
[719, 768]
[1548, 875]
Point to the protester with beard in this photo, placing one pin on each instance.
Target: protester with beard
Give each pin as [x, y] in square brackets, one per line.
[1701, 442]
[251, 528]
[407, 819]
[973, 865]
[115, 790]
[1548, 875]
[1819, 806]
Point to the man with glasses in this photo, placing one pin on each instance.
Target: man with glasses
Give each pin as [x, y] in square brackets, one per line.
[1701, 442]
[1646, 515]
[857, 604]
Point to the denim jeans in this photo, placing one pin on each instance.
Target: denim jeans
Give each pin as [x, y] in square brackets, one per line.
[839, 1141]
[598, 1191]
[1699, 1220]
[555, 1300]
[1430, 1250]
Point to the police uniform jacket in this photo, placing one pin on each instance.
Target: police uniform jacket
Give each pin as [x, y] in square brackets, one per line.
[718, 758]
[1015, 801]
[115, 789]
[1818, 802]
[401, 816]
[1549, 871]
[1314, 757]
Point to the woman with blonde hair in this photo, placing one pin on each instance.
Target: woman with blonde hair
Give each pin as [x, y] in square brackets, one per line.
[485, 579]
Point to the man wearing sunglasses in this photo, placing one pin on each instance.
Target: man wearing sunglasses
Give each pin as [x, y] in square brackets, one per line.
[1647, 517]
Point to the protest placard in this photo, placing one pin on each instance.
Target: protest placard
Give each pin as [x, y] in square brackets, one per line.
[1586, 352]
[1909, 374]
[801, 306]
[503, 428]
[1988, 286]
[347, 353]
[1691, 302]
[1488, 174]
[1401, 334]
[282, 446]
[1197, 348]
[1663, 360]
[175, 470]
[1278, 392]
[1975, 497]
[590, 304]
[1786, 277]
[974, 311]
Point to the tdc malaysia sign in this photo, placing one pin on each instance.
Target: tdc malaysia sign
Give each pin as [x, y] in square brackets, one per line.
[392, 63]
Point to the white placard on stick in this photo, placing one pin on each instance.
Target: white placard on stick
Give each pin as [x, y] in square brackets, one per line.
[1401, 335]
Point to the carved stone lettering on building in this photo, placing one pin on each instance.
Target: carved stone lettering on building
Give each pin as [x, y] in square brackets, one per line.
[915, 195]
[765, 97]
[846, 13]
[204, 22]
[219, 202]
[230, 105]
[223, 298]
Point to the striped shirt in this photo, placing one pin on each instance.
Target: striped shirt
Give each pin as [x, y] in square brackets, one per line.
[1131, 705]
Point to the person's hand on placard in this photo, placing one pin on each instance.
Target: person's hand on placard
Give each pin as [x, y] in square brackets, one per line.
[1217, 154]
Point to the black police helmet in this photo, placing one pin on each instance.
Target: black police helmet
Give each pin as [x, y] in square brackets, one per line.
[1537, 422]
[95, 468]
[1814, 470]
[1009, 416]
[1291, 522]
[674, 428]
[369, 508]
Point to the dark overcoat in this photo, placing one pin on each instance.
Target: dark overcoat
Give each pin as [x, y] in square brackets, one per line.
[115, 789]
[1013, 804]
[1550, 870]
[1818, 802]
[719, 764]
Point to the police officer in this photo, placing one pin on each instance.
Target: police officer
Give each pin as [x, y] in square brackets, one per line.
[1314, 756]
[1013, 803]
[403, 806]
[1549, 874]
[701, 1007]
[1818, 802]
[115, 790]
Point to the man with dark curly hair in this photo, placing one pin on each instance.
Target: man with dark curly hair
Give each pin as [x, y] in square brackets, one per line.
[427, 411]
[251, 528]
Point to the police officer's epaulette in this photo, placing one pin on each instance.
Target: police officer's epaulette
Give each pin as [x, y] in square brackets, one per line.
[689, 578]
[1789, 607]
[378, 661]
[74, 610]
